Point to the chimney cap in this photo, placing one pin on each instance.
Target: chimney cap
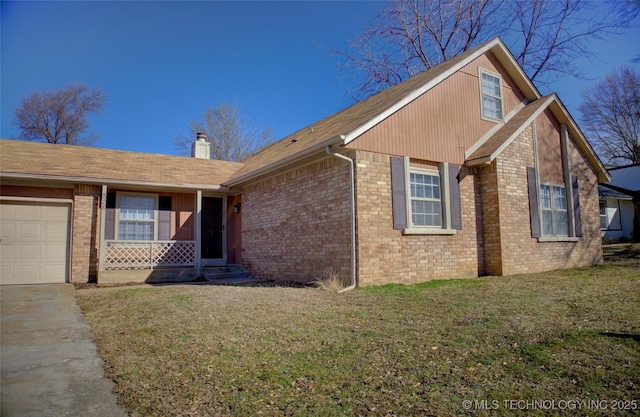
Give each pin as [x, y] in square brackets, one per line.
[201, 137]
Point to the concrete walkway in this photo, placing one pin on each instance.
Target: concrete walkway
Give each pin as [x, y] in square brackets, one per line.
[48, 360]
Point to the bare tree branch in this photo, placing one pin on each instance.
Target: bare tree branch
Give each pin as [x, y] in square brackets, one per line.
[231, 137]
[59, 116]
[611, 116]
[410, 36]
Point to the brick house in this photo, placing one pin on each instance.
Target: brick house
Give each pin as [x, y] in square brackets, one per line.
[464, 170]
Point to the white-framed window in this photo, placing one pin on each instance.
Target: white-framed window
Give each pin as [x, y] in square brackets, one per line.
[604, 218]
[137, 217]
[491, 95]
[553, 207]
[426, 203]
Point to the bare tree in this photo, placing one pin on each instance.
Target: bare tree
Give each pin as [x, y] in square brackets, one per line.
[59, 116]
[410, 36]
[231, 137]
[611, 116]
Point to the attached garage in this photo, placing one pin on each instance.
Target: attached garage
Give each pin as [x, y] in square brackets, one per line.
[34, 241]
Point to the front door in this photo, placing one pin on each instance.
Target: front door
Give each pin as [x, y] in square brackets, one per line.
[212, 248]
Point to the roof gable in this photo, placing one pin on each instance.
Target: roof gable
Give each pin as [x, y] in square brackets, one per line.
[493, 145]
[94, 165]
[350, 123]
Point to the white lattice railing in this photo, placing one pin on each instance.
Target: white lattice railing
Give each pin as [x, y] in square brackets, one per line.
[147, 255]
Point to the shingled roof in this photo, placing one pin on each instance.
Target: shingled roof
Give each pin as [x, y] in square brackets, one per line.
[104, 166]
[348, 124]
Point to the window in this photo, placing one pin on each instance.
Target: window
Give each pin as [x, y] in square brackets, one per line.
[490, 86]
[604, 220]
[426, 207]
[425, 201]
[553, 206]
[136, 220]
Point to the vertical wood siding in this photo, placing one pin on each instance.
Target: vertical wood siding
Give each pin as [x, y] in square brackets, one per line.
[182, 222]
[549, 149]
[444, 122]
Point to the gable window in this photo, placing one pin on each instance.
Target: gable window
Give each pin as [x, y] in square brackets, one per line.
[136, 217]
[491, 91]
[426, 206]
[553, 206]
[604, 219]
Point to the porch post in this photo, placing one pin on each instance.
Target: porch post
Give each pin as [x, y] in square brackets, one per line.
[198, 217]
[103, 221]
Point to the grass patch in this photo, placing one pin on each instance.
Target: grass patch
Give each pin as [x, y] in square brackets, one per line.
[393, 350]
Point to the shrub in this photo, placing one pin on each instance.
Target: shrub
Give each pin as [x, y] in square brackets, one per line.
[330, 280]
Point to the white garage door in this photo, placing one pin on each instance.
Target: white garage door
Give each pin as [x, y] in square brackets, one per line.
[34, 242]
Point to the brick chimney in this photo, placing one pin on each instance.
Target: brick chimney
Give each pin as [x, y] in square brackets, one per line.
[201, 148]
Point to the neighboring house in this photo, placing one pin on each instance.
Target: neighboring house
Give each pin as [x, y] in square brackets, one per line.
[620, 205]
[464, 170]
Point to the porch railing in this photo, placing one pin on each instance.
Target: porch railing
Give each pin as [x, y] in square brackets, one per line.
[148, 255]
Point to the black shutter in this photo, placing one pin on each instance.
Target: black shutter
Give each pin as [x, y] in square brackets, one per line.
[576, 206]
[110, 217]
[110, 224]
[533, 202]
[398, 189]
[164, 218]
[454, 197]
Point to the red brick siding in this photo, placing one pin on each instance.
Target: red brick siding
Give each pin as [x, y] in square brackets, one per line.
[519, 251]
[297, 224]
[385, 255]
[84, 233]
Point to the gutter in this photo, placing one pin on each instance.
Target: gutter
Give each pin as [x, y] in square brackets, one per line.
[111, 182]
[353, 217]
[269, 168]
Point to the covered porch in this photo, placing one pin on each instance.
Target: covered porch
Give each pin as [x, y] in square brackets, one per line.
[152, 236]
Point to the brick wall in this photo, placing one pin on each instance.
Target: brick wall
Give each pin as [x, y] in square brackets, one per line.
[84, 253]
[385, 255]
[297, 224]
[520, 253]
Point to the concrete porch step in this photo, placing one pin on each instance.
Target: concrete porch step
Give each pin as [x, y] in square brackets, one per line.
[214, 273]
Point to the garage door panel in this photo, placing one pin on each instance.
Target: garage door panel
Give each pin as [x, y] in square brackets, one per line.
[34, 242]
[54, 232]
[52, 252]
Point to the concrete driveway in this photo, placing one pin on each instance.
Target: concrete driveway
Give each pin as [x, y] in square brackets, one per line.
[48, 360]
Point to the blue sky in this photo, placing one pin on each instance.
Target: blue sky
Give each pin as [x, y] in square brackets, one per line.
[161, 64]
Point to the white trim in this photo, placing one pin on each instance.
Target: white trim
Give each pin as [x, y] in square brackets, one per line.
[445, 201]
[38, 199]
[499, 77]
[558, 239]
[501, 52]
[154, 196]
[514, 135]
[69, 203]
[428, 231]
[492, 131]
[267, 169]
[216, 261]
[112, 182]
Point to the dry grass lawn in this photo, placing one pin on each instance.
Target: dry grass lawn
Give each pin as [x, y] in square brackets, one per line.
[441, 348]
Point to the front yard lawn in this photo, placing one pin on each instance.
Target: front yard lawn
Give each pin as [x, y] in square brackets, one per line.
[520, 345]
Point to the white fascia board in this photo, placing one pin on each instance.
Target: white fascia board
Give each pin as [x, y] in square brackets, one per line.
[493, 130]
[507, 142]
[111, 182]
[496, 46]
[336, 140]
[580, 139]
[522, 126]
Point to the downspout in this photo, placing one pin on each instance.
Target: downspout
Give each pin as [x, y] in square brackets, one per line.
[353, 217]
